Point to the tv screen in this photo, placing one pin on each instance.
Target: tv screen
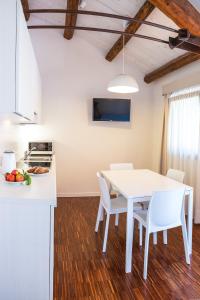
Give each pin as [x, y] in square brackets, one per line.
[111, 109]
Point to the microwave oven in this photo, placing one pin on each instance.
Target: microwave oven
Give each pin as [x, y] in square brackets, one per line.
[42, 147]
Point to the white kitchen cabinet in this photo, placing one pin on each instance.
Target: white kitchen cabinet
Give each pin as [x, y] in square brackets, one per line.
[27, 238]
[25, 252]
[20, 85]
[8, 11]
[28, 86]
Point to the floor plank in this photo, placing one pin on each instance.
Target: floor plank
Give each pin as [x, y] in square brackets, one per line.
[82, 271]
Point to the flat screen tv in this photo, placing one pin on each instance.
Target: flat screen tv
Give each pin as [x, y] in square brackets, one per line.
[116, 110]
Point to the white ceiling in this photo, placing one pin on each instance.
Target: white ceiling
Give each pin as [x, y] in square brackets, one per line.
[147, 55]
[196, 3]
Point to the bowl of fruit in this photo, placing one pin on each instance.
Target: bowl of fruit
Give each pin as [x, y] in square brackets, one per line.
[17, 177]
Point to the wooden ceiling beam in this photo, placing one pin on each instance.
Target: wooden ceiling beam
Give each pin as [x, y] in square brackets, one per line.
[142, 14]
[184, 45]
[182, 12]
[171, 66]
[70, 19]
[25, 6]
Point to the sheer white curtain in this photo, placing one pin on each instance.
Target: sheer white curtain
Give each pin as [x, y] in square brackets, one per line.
[183, 141]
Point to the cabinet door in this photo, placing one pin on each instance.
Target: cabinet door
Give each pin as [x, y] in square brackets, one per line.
[25, 251]
[7, 55]
[28, 87]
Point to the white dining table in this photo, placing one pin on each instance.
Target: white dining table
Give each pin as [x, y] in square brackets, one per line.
[138, 185]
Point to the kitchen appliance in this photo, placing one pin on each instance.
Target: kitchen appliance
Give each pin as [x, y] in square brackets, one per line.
[39, 154]
[8, 161]
[42, 148]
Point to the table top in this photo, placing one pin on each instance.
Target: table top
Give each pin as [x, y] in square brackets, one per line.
[140, 183]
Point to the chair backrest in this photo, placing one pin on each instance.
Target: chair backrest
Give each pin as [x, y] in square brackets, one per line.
[122, 166]
[165, 208]
[105, 195]
[176, 175]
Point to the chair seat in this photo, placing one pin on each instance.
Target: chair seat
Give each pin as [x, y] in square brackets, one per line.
[141, 216]
[137, 206]
[119, 204]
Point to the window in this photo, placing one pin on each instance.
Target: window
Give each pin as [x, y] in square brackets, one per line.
[184, 122]
[183, 138]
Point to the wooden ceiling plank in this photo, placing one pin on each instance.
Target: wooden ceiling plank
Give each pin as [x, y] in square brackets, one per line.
[70, 19]
[182, 12]
[142, 14]
[171, 66]
[25, 6]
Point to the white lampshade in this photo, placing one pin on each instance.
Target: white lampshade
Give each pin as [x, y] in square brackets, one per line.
[123, 84]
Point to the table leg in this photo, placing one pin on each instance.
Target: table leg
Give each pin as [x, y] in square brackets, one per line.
[190, 220]
[129, 235]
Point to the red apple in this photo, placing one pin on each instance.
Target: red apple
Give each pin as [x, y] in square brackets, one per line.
[6, 174]
[15, 172]
[19, 177]
[10, 177]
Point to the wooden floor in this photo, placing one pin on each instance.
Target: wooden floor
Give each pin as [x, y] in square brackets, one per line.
[83, 272]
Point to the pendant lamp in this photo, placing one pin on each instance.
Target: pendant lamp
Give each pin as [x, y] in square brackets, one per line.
[123, 83]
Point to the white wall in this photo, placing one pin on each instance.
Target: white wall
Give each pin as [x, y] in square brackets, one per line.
[186, 74]
[8, 136]
[73, 72]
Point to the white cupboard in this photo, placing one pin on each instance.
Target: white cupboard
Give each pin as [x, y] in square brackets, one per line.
[25, 251]
[20, 85]
[27, 238]
[7, 55]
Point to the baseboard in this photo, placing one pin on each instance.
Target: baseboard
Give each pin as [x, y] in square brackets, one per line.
[84, 194]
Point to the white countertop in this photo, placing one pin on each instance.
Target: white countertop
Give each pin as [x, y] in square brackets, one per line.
[41, 191]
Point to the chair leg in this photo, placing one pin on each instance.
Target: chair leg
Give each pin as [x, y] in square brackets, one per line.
[185, 241]
[106, 232]
[155, 238]
[141, 231]
[99, 215]
[102, 215]
[116, 219]
[146, 252]
[165, 237]
[133, 228]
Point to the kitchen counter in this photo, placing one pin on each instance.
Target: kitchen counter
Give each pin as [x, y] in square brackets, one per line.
[41, 191]
[27, 238]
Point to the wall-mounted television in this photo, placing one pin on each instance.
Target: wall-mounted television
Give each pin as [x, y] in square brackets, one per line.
[116, 110]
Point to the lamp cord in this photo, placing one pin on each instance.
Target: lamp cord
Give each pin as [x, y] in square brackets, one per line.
[123, 55]
[124, 24]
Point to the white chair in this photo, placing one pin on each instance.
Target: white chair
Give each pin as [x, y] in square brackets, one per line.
[123, 166]
[112, 206]
[178, 176]
[166, 211]
[175, 175]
